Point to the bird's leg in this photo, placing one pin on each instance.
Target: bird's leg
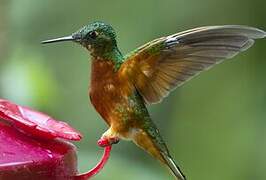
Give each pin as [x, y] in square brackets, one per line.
[108, 138]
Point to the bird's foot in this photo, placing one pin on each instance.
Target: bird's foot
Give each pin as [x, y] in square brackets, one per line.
[104, 141]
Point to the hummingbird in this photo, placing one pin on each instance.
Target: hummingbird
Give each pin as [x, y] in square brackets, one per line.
[122, 86]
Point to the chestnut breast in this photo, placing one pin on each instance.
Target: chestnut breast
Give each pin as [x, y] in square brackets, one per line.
[105, 89]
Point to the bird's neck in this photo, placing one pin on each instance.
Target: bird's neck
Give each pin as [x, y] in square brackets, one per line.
[112, 54]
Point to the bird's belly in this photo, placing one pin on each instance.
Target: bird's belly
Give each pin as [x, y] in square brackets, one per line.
[114, 107]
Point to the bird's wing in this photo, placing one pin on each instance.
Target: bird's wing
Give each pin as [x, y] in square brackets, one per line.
[165, 63]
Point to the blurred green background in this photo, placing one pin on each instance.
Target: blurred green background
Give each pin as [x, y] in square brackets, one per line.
[215, 125]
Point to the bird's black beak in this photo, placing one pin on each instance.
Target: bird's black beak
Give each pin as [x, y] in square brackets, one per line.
[66, 38]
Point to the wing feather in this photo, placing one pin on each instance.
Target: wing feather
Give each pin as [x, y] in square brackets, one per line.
[158, 67]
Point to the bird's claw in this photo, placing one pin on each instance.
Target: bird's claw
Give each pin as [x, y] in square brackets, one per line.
[103, 142]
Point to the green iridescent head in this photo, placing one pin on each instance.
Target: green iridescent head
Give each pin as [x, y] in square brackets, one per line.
[98, 37]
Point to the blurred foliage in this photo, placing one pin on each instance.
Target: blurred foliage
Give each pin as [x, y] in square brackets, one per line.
[214, 125]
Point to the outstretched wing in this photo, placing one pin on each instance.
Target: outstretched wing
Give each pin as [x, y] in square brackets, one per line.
[161, 65]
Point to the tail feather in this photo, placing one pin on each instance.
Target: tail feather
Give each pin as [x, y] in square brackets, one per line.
[173, 167]
[158, 150]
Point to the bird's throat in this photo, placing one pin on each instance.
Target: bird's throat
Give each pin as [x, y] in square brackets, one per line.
[108, 54]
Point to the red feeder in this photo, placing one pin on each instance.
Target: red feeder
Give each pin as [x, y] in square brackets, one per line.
[32, 146]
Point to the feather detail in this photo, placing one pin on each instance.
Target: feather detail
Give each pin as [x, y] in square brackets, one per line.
[148, 142]
[163, 64]
[174, 168]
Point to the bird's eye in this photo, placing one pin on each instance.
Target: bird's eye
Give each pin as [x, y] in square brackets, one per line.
[93, 34]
